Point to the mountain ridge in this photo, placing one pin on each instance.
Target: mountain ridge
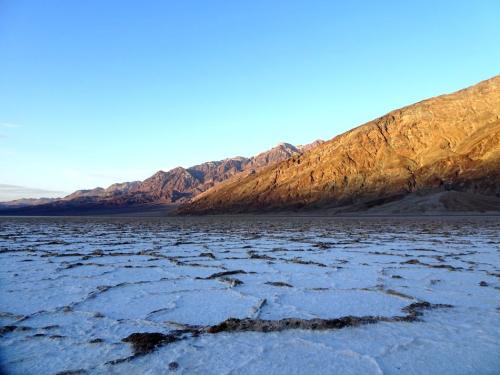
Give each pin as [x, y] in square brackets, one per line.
[162, 188]
[447, 142]
[440, 155]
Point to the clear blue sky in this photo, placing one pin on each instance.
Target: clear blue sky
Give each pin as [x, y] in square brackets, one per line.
[94, 92]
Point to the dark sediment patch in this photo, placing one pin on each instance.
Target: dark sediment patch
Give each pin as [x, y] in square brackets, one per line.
[222, 274]
[415, 309]
[53, 326]
[207, 255]
[260, 325]
[255, 255]
[7, 329]
[80, 264]
[173, 366]
[305, 262]
[445, 266]
[5, 314]
[279, 284]
[72, 372]
[323, 245]
[412, 261]
[231, 281]
[144, 343]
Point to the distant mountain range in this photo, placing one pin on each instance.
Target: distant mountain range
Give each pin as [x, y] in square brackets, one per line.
[162, 190]
[438, 156]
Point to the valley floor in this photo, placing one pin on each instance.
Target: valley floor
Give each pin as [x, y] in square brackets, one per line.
[243, 295]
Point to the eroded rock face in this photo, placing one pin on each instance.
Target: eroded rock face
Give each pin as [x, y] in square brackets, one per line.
[451, 142]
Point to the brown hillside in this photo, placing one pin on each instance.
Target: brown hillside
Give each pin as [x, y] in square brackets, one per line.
[450, 142]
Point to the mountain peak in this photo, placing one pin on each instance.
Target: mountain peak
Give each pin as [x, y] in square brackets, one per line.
[309, 146]
[285, 145]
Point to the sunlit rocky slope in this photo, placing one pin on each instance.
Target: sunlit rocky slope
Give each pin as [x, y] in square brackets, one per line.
[441, 154]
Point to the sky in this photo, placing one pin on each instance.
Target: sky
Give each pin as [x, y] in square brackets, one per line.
[95, 92]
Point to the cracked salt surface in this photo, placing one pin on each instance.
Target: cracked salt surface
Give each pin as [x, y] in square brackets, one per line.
[249, 295]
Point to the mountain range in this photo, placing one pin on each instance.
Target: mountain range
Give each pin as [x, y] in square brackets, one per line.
[163, 190]
[440, 155]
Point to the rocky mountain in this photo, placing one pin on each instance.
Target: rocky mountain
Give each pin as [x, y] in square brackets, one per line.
[447, 145]
[180, 184]
[113, 191]
[175, 186]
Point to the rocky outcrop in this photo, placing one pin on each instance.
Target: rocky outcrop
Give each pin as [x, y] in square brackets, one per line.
[447, 143]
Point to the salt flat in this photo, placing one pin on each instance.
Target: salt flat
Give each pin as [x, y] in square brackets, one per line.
[250, 295]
